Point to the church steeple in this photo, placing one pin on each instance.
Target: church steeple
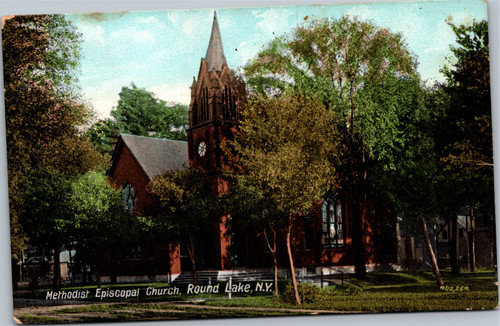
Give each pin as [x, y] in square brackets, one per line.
[215, 53]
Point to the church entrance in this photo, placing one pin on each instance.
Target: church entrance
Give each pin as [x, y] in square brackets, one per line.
[203, 252]
[238, 249]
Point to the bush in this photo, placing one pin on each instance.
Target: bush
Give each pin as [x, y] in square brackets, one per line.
[346, 288]
[308, 293]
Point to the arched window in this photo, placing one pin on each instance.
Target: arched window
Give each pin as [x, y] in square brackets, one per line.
[129, 197]
[333, 223]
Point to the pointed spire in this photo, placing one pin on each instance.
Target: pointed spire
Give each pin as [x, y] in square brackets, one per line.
[215, 53]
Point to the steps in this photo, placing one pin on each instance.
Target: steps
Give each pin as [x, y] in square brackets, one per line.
[206, 277]
[203, 277]
[246, 276]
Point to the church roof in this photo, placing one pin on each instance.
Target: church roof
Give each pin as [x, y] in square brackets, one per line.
[156, 155]
[215, 53]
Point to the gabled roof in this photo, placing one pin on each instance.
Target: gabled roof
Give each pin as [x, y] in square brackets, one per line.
[155, 155]
[215, 53]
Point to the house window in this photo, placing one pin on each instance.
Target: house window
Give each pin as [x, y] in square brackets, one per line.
[129, 197]
[333, 223]
[308, 232]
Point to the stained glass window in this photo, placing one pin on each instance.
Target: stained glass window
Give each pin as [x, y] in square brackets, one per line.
[129, 197]
[333, 223]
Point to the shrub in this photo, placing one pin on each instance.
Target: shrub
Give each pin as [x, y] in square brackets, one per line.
[308, 293]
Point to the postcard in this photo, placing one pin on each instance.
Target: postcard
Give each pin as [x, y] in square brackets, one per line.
[250, 162]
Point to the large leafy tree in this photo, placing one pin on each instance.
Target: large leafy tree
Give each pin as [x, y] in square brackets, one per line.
[250, 208]
[188, 208]
[99, 222]
[46, 218]
[358, 71]
[469, 150]
[464, 140]
[289, 149]
[82, 211]
[412, 187]
[40, 54]
[139, 112]
[447, 164]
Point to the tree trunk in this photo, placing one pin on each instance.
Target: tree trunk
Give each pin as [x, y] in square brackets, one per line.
[70, 267]
[362, 217]
[275, 257]
[56, 282]
[358, 213]
[192, 257]
[357, 242]
[292, 268]
[351, 114]
[435, 267]
[455, 267]
[472, 243]
[275, 263]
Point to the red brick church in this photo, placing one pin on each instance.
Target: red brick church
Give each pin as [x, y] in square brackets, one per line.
[319, 240]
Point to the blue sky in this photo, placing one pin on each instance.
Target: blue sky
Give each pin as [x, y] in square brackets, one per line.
[161, 50]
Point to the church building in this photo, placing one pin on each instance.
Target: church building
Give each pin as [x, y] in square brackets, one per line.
[320, 240]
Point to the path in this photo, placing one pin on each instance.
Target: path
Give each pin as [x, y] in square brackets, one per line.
[177, 308]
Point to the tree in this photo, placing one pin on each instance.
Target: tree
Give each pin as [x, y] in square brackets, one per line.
[103, 135]
[446, 164]
[465, 139]
[288, 147]
[83, 211]
[249, 207]
[98, 219]
[187, 206]
[412, 186]
[139, 112]
[353, 68]
[41, 107]
[470, 150]
[46, 218]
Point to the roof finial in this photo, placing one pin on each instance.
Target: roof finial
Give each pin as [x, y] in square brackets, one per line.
[215, 53]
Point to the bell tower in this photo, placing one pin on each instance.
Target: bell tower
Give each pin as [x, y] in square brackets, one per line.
[217, 96]
[216, 99]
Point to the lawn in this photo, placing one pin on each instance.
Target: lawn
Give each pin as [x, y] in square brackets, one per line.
[379, 292]
[390, 292]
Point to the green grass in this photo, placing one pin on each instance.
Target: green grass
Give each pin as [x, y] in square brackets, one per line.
[123, 312]
[29, 319]
[389, 292]
[378, 292]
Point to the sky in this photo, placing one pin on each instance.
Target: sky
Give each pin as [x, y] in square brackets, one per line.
[161, 50]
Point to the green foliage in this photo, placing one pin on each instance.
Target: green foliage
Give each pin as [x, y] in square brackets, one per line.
[40, 54]
[354, 68]
[103, 135]
[364, 75]
[309, 293]
[139, 112]
[446, 163]
[46, 217]
[288, 147]
[249, 206]
[471, 66]
[186, 202]
[467, 156]
[97, 211]
[84, 208]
